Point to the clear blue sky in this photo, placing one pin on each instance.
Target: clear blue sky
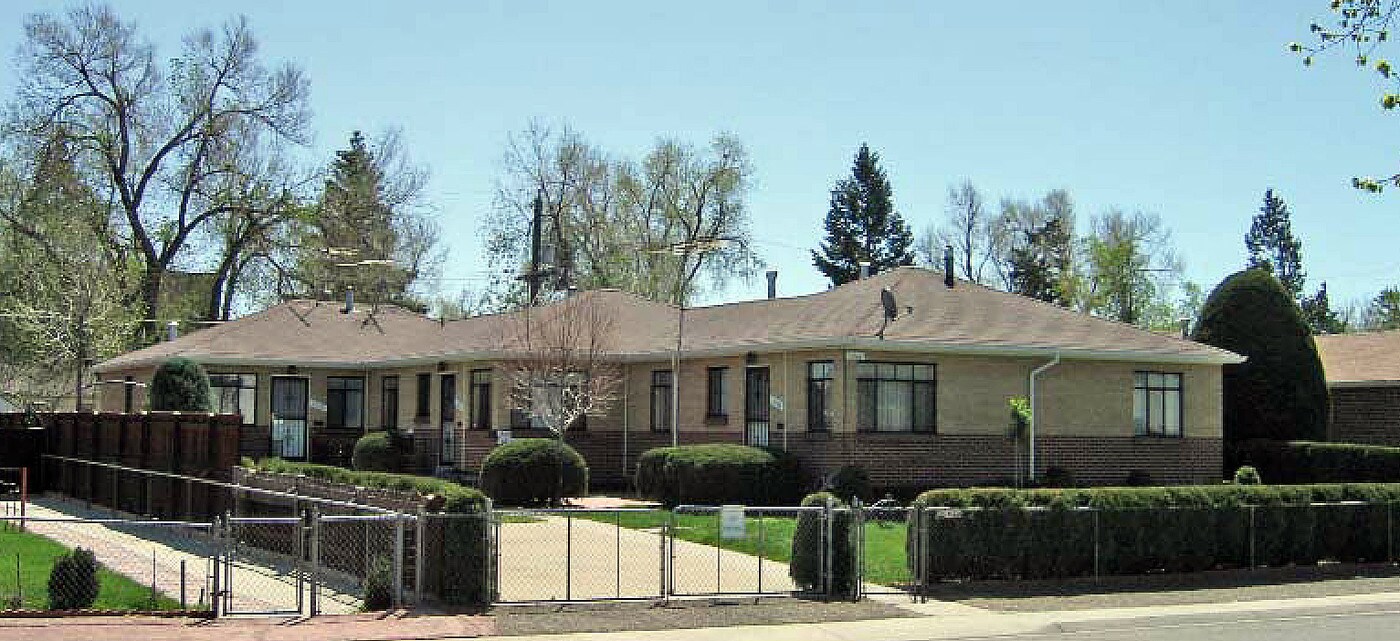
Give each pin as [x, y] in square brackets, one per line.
[1186, 109]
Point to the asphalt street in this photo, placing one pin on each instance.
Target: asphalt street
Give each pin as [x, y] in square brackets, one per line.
[1346, 624]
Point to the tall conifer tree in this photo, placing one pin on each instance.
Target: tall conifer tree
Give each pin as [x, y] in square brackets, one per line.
[862, 225]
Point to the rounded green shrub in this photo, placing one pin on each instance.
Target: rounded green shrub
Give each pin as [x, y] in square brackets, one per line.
[533, 471]
[850, 482]
[375, 452]
[1138, 478]
[180, 385]
[1056, 476]
[809, 545]
[1280, 392]
[73, 581]
[715, 474]
[1247, 475]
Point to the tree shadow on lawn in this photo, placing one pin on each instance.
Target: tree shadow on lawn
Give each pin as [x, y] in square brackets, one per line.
[1208, 580]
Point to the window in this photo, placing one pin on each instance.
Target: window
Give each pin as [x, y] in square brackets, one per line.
[481, 399]
[896, 397]
[345, 402]
[715, 402]
[425, 397]
[819, 396]
[389, 402]
[1156, 404]
[661, 400]
[233, 394]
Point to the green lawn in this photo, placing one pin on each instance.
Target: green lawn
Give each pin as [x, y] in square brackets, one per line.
[36, 554]
[772, 536]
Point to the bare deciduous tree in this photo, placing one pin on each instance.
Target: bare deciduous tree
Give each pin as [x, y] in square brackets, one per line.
[157, 138]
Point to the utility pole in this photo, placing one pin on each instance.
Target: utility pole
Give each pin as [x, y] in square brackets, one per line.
[535, 275]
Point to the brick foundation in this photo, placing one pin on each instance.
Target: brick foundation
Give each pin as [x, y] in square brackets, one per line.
[914, 460]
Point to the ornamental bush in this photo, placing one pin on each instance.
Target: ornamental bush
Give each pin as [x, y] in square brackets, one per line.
[375, 452]
[73, 581]
[809, 545]
[850, 482]
[1309, 462]
[1280, 392]
[180, 385]
[989, 533]
[534, 471]
[379, 584]
[716, 474]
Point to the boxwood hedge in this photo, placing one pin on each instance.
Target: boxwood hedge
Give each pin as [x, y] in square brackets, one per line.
[1312, 462]
[1066, 533]
[455, 551]
[717, 473]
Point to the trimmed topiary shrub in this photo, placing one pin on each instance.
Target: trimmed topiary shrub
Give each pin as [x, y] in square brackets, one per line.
[1247, 475]
[375, 452]
[850, 482]
[180, 385]
[73, 581]
[533, 471]
[1280, 392]
[787, 480]
[809, 546]
[716, 474]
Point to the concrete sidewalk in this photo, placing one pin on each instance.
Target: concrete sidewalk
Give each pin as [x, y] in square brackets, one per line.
[966, 623]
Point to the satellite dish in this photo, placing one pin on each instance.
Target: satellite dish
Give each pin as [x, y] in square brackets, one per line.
[891, 310]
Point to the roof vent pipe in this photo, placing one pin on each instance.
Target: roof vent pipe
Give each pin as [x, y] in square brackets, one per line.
[349, 299]
[864, 269]
[772, 275]
[172, 330]
[948, 266]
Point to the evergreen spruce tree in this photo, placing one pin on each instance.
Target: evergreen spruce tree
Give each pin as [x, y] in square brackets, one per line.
[862, 225]
[1042, 265]
[1272, 246]
[1317, 312]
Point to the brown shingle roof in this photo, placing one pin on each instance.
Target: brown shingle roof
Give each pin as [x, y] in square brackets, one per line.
[1353, 358]
[966, 318]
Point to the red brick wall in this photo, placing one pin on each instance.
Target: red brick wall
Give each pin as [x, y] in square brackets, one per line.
[915, 460]
[1369, 415]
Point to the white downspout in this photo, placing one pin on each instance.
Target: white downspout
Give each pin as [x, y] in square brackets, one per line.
[1030, 437]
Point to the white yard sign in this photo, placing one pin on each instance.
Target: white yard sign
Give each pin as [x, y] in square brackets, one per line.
[731, 522]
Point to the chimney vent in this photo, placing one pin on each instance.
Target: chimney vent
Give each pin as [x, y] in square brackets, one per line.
[172, 330]
[349, 299]
[1186, 328]
[772, 275]
[948, 266]
[864, 269]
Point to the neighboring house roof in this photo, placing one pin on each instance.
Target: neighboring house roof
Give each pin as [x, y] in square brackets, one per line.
[1359, 359]
[967, 318]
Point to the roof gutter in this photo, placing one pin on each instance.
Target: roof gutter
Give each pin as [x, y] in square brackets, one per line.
[1035, 415]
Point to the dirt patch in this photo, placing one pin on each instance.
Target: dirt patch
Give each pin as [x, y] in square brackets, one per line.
[627, 617]
[1220, 586]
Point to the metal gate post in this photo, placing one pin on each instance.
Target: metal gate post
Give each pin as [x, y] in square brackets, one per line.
[398, 559]
[230, 549]
[920, 555]
[419, 528]
[303, 529]
[826, 549]
[215, 590]
[568, 556]
[315, 559]
[666, 566]
[856, 539]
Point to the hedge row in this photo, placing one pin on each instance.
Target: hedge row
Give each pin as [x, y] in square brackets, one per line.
[719, 473]
[1311, 462]
[1143, 530]
[457, 498]
[809, 542]
[459, 563]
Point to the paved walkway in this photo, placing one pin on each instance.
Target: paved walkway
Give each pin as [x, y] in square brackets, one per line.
[559, 558]
[358, 627]
[144, 553]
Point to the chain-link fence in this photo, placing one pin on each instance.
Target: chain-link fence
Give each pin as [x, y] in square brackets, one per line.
[579, 554]
[67, 563]
[739, 550]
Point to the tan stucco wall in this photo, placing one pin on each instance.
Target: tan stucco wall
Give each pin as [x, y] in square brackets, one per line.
[1075, 398]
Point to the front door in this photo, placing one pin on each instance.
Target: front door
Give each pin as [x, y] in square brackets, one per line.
[756, 406]
[448, 414]
[289, 417]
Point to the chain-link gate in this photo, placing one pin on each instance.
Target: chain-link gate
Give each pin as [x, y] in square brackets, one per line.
[579, 554]
[262, 567]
